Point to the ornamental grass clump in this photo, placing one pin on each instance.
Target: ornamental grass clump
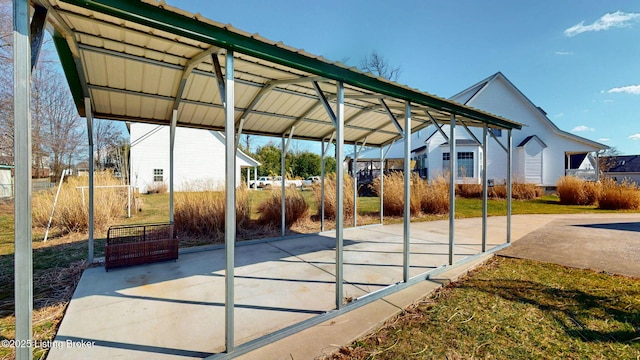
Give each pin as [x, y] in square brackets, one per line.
[426, 198]
[203, 213]
[625, 196]
[330, 196]
[574, 191]
[72, 208]
[270, 211]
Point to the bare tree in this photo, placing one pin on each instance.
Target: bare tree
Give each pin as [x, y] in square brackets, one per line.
[6, 83]
[607, 158]
[377, 65]
[106, 135]
[62, 132]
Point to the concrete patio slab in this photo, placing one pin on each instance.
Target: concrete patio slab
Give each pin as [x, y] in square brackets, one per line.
[175, 310]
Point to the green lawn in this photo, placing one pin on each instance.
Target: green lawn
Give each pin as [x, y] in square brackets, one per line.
[515, 309]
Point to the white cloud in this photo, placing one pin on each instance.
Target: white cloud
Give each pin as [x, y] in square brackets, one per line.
[582, 128]
[558, 115]
[635, 137]
[604, 139]
[617, 19]
[563, 53]
[631, 89]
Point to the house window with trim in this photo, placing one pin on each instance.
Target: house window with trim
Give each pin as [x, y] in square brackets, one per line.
[158, 175]
[465, 164]
[446, 162]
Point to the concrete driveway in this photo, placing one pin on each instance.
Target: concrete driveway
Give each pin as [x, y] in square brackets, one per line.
[602, 242]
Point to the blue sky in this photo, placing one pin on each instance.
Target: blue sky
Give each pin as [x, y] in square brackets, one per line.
[578, 60]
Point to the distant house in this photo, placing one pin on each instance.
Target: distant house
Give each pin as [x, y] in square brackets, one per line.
[542, 153]
[6, 181]
[199, 157]
[623, 168]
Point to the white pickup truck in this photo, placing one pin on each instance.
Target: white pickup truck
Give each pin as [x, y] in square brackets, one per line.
[268, 182]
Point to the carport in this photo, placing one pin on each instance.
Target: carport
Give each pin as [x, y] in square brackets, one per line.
[149, 62]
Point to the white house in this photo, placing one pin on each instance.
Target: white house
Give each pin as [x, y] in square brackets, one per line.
[198, 158]
[542, 153]
[6, 181]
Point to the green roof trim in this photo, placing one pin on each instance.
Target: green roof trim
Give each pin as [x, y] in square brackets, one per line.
[70, 71]
[156, 17]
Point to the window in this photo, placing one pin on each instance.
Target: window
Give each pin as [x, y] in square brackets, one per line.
[465, 164]
[158, 175]
[446, 162]
[496, 132]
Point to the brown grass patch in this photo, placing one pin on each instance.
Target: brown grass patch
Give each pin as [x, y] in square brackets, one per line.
[270, 211]
[330, 196]
[574, 191]
[427, 198]
[71, 215]
[203, 213]
[613, 196]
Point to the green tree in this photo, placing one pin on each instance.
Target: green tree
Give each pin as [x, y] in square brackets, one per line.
[269, 156]
[306, 164]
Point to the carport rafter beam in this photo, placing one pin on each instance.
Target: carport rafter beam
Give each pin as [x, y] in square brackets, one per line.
[302, 117]
[469, 132]
[392, 117]
[354, 117]
[325, 102]
[38, 21]
[438, 126]
[498, 141]
[219, 77]
[268, 87]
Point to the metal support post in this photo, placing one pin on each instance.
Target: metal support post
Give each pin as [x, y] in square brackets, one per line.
[339, 191]
[323, 154]
[407, 190]
[283, 221]
[381, 192]
[230, 194]
[89, 116]
[172, 142]
[509, 185]
[23, 265]
[354, 168]
[453, 167]
[485, 186]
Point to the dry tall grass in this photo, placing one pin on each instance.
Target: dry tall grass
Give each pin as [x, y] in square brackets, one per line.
[270, 211]
[625, 196]
[574, 191]
[330, 196]
[424, 198]
[519, 191]
[71, 215]
[203, 213]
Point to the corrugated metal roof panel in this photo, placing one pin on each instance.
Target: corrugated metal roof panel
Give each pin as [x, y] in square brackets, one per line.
[133, 62]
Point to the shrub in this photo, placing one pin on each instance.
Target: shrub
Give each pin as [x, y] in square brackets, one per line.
[426, 198]
[520, 191]
[72, 209]
[436, 200]
[330, 196]
[469, 190]
[203, 213]
[574, 191]
[625, 196]
[270, 211]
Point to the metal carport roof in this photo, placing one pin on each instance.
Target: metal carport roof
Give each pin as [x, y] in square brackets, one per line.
[138, 60]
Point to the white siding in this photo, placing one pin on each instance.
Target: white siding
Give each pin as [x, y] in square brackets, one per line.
[533, 162]
[199, 158]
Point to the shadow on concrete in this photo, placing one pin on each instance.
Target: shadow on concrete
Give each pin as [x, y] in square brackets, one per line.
[624, 226]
